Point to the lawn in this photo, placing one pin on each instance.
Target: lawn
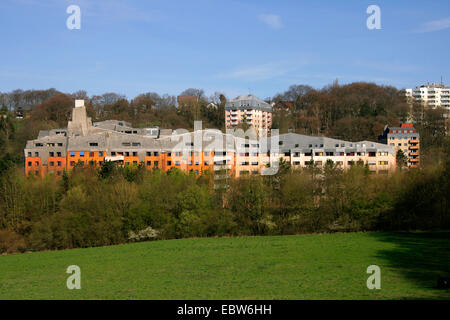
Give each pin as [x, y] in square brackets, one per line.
[320, 266]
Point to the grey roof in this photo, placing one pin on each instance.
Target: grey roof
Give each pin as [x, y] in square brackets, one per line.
[248, 101]
[297, 142]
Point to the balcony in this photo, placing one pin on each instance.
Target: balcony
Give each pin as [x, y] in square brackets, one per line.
[414, 147]
[415, 160]
[414, 154]
[414, 141]
[222, 167]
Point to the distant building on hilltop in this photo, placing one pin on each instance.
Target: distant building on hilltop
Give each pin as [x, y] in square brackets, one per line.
[405, 138]
[250, 109]
[434, 95]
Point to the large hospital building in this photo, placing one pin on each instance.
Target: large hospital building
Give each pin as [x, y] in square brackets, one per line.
[91, 144]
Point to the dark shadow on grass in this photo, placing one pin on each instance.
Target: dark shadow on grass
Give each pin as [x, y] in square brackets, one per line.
[422, 257]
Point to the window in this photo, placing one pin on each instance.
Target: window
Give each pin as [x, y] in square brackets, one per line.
[113, 153]
[177, 163]
[169, 154]
[59, 154]
[91, 154]
[206, 154]
[206, 163]
[81, 154]
[29, 154]
[60, 144]
[36, 154]
[93, 144]
[72, 154]
[135, 154]
[169, 163]
[149, 163]
[155, 164]
[156, 154]
[59, 163]
[39, 144]
[382, 162]
[100, 154]
[136, 144]
[29, 163]
[51, 154]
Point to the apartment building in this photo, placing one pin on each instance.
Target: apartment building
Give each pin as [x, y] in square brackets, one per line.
[250, 109]
[405, 138]
[227, 155]
[433, 95]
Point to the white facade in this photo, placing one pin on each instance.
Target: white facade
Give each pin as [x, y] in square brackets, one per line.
[434, 95]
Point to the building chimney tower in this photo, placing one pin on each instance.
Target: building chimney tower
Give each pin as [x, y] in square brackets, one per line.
[80, 123]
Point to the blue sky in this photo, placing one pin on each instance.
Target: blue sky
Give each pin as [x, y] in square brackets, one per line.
[261, 46]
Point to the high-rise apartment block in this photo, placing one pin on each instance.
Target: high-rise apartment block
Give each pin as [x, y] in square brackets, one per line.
[250, 109]
[434, 95]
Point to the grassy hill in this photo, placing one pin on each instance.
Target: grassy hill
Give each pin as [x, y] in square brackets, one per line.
[328, 266]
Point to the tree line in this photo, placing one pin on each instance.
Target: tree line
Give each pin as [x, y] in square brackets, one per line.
[112, 205]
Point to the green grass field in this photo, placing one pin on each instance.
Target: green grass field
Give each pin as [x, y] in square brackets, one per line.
[328, 266]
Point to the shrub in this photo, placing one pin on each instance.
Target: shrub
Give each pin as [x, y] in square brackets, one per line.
[11, 242]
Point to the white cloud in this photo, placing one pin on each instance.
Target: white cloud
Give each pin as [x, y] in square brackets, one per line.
[271, 20]
[435, 25]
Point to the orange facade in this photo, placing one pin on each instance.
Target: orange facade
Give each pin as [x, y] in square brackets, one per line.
[196, 162]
